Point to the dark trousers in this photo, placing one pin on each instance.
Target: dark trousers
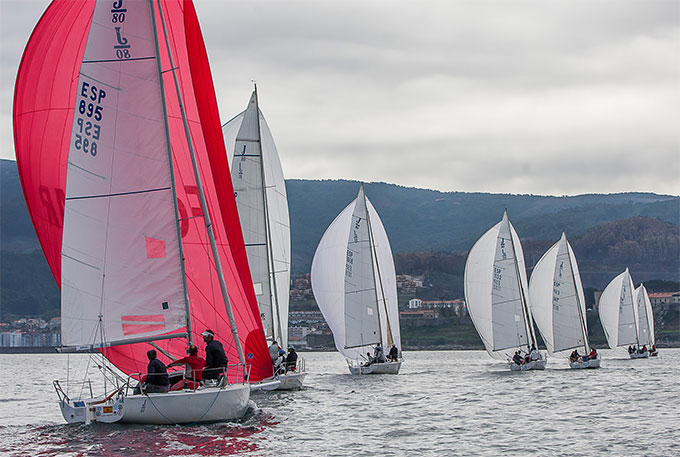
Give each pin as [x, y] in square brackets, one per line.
[154, 389]
[213, 373]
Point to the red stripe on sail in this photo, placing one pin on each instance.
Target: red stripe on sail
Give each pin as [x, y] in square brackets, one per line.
[134, 325]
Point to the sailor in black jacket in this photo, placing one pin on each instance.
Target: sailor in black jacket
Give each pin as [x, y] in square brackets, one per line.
[215, 358]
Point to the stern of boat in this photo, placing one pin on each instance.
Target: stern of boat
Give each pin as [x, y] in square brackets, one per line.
[108, 409]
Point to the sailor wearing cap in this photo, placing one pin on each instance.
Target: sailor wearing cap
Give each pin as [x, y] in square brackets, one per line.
[215, 359]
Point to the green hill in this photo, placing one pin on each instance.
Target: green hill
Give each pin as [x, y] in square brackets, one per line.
[436, 228]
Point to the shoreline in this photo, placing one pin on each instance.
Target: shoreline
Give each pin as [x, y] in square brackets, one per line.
[452, 347]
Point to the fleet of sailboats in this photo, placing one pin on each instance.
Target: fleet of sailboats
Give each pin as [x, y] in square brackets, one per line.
[497, 297]
[158, 223]
[354, 283]
[260, 191]
[558, 304]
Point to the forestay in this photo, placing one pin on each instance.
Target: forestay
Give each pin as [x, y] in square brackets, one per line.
[618, 315]
[557, 299]
[496, 289]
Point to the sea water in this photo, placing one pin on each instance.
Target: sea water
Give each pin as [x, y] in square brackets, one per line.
[448, 403]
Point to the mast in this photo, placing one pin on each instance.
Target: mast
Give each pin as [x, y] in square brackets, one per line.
[273, 294]
[201, 194]
[373, 261]
[172, 171]
[578, 302]
[636, 321]
[527, 321]
[374, 258]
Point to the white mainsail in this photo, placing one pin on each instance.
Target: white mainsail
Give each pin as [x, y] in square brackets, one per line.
[354, 281]
[496, 291]
[557, 299]
[362, 324]
[262, 203]
[122, 277]
[618, 313]
[645, 316]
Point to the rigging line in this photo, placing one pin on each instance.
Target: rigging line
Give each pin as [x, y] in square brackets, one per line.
[225, 124]
[71, 164]
[119, 194]
[189, 218]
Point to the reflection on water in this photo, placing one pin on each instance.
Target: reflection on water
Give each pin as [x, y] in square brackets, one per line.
[457, 403]
[220, 439]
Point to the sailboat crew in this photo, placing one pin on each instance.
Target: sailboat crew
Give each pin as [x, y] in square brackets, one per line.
[533, 353]
[274, 351]
[216, 361]
[379, 354]
[157, 380]
[193, 369]
[394, 353]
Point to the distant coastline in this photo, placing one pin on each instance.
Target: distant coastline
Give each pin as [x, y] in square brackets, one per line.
[452, 347]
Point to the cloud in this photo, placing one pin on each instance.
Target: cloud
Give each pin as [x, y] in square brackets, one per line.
[530, 97]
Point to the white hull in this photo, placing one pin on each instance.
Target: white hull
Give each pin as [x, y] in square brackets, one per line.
[637, 355]
[533, 365]
[288, 381]
[181, 407]
[291, 381]
[591, 363]
[376, 368]
[265, 385]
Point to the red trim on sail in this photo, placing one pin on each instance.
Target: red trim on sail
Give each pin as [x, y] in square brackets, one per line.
[135, 325]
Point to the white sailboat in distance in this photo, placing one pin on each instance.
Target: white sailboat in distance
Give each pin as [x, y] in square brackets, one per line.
[496, 295]
[558, 304]
[260, 191]
[620, 317]
[646, 320]
[354, 284]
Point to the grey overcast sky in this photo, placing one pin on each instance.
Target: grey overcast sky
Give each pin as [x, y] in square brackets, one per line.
[544, 97]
